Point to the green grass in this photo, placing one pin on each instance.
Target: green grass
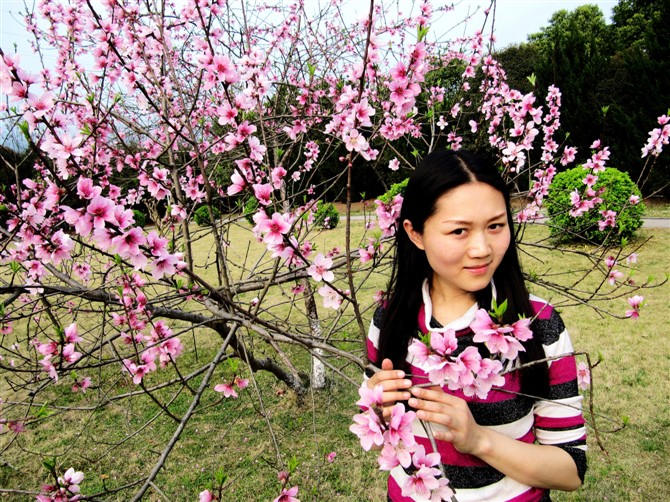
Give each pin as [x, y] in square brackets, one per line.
[251, 441]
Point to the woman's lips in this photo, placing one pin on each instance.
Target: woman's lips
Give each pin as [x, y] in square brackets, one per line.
[478, 269]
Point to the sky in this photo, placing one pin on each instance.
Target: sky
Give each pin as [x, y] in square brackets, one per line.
[515, 19]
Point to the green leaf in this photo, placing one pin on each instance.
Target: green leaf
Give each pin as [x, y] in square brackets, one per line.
[14, 266]
[293, 464]
[605, 109]
[312, 70]
[422, 31]
[50, 465]
[43, 412]
[532, 79]
[233, 365]
[220, 476]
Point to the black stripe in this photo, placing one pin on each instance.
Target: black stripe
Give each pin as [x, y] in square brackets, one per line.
[564, 390]
[559, 429]
[501, 412]
[377, 317]
[549, 329]
[473, 477]
[579, 456]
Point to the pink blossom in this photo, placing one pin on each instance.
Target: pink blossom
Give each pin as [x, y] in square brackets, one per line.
[242, 383]
[419, 351]
[331, 298]
[370, 398]
[521, 330]
[206, 496]
[394, 164]
[331, 457]
[631, 258]
[71, 335]
[610, 261]
[636, 302]
[614, 276]
[400, 426]
[288, 495]
[263, 192]
[81, 385]
[274, 228]
[102, 211]
[227, 390]
[583, 375]
[368, 428]
[320, 269]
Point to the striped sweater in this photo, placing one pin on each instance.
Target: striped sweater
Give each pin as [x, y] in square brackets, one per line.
[557, 421]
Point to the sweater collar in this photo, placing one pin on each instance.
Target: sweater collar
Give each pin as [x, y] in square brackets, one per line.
[426, 312]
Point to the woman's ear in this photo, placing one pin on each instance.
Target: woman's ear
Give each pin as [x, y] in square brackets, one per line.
[413, 235]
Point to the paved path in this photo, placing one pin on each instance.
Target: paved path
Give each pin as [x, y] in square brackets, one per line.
[656, 222]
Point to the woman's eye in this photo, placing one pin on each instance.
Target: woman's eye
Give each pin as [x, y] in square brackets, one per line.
[458, 231]
[496, 226]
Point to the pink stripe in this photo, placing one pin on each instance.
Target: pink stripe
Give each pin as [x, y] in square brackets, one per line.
[372, 351]
[562, 370]
[530, 495]
[541, 309]
[558, 422]
[395, 491]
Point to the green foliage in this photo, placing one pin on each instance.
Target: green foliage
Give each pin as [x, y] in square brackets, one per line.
[140, 218]
[396, 188]
[326, 216]
[249, 209]
[201, 216]
[617, 189]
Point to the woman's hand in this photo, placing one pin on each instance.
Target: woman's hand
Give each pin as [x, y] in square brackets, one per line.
[434, 405]
[394, 384]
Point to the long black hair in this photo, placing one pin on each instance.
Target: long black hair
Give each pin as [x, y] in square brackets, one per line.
[438, 173]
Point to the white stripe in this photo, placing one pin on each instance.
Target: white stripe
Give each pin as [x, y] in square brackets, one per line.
[559, 408]
[559, 437]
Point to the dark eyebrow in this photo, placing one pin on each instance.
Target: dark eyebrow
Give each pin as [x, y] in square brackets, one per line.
[465, 222]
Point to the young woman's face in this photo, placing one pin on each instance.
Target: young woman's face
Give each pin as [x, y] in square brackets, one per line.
[465, 239]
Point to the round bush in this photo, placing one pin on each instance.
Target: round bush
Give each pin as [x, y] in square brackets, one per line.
[327, 216]
[201, 216]
[617, 189]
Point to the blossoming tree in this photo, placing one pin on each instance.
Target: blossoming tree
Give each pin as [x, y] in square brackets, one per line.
[231, 113]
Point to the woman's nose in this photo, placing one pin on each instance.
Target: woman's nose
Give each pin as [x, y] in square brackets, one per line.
[479, 245]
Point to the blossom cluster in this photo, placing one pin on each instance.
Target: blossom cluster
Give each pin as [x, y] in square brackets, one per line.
[399, 447]
[66, 488]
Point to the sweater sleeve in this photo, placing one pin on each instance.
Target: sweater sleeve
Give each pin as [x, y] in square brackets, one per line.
[558, 419]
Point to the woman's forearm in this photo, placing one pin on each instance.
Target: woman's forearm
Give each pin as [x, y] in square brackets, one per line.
[541, 466]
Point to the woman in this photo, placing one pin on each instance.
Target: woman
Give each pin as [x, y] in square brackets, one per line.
[455, 254]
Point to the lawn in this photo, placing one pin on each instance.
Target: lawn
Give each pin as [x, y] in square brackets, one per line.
[251, 438]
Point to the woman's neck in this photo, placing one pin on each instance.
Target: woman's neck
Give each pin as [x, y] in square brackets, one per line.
[448, 307]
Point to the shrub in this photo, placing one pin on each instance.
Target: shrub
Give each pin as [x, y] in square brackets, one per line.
[396, 188]
[327, 216]
[617, 188]
[140, 218]
[201, 216]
